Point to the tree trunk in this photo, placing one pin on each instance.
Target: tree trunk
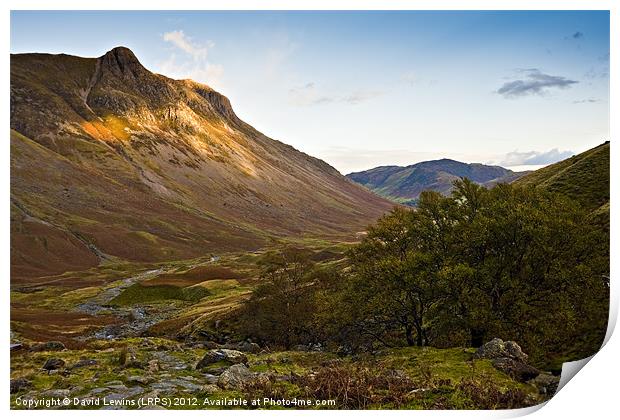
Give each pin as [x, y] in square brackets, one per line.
[409, 335]
[419, 336]
[477, 336]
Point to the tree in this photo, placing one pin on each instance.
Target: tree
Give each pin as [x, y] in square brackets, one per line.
[511, 261]
[281, 309]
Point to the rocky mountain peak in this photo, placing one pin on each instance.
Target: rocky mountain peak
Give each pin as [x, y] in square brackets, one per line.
[122, 62]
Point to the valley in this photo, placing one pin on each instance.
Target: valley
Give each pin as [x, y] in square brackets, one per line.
[126, 347]
[163, 249]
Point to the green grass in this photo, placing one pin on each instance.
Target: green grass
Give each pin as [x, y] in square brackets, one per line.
[583, 178]
[439, 371]
[144, 294]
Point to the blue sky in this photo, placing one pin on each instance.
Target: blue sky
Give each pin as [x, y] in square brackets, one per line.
[362, 89]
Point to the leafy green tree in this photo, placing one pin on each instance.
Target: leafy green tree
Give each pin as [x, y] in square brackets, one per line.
[512, 262]
[281, 309]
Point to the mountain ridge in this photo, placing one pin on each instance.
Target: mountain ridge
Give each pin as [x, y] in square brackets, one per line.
[148, 168]
[405, 183]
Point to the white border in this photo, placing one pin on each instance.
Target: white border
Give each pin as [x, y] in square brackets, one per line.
[592, 394]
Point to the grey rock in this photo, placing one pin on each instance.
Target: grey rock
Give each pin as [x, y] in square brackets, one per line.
[248, 347]
[142, 380]
[516, 369]
[186, 385]
[127, 393]
[547, 384]
[19, 384]
[219, 355]
[111, 383]
[216, 371]
[53, 364]
[211, 379]
[48, 346]
[56, 393]
[210, 389]
[498, 348]
[235, 377]
[84, 363]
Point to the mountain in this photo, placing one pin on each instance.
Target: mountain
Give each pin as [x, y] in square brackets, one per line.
[110, 161]
[583, 178]
[404, 184]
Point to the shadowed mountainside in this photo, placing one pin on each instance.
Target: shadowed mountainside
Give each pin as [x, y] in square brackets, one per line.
[404, 184]
[111, 160]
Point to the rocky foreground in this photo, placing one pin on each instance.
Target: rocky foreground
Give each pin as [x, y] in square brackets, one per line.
[154, 373]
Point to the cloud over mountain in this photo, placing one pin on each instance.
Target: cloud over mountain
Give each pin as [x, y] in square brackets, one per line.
[535, 158]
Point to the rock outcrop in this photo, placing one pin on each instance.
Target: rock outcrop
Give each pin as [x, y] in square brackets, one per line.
[497, 348]
[507, 356]
[221, 355]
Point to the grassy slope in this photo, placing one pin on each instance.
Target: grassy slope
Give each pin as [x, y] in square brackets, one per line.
[584, 178]
[147, 168]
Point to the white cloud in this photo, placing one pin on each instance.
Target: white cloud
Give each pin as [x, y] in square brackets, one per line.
[198, 68]
[308, 95]
[517, 158]
[184, 43]
[410, 78]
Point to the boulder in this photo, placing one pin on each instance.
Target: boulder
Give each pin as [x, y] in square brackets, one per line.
[55, 393]
[138, 380]
[211, 379]
[19, 384]
[53, 364]
[547, 384]
[235, 377]
[48, 346]
[517, 370]
[210, 389]
[219, 355]
[248, 347]
[216, 371]
[84, 363]
[498, 348]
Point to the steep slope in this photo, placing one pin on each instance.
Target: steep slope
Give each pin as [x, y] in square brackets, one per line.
[110, 160]
[583, 177]
[404, 184]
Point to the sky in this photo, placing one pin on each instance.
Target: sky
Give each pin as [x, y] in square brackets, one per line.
[361, 89]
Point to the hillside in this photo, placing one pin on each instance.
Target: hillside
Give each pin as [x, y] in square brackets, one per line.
[404, 184]
[583, 177]
[111, 161]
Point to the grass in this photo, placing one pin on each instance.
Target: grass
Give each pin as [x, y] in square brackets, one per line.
[138, 293]
[428, 378]
[583, 178]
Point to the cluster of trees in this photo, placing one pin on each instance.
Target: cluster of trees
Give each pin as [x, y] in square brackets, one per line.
[510, 262]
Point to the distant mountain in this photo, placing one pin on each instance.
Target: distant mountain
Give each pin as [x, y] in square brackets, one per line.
[583, 177]
[404, 184]
[111, 161]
